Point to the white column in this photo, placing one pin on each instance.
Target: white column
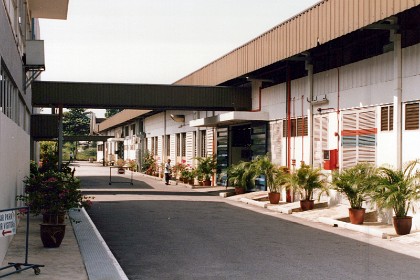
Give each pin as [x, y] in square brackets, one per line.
[310, 68]
[60, 136]
[398, 98]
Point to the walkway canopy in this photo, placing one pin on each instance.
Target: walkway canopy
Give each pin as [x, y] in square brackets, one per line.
[140, 96]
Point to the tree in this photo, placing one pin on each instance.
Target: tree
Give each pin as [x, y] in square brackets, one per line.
[110, 112]
[76, 122]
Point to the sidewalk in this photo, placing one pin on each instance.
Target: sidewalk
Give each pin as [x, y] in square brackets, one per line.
[337, 221]
[84, 255]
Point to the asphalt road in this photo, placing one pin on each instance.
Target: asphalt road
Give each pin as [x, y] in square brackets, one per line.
[163, 237]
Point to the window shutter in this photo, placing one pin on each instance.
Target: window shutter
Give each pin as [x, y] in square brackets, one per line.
[412, 116]
[304, 128]
[210, 138]
[320, 138]
[391, 117]
[358, 137]
[349, 140]
[189, 147]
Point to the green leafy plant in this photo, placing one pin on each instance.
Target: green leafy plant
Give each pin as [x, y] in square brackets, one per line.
[179, 168]
[397, 189]
[120, 162]
[276, 177]
[52, 192]
[206, 166]
[355, 183]
[132, 164]
[149, 163]
[306, 180]
[240, 175]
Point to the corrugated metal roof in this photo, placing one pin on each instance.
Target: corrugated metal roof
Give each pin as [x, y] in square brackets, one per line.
[120, 118]
[321, 23]
[139, 96]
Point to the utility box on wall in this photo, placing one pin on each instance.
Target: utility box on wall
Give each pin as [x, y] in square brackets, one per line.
[330, 159]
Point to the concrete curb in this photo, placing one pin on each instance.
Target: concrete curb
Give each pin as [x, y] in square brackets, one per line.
[99, 261]
[358, 228]
[254, 202]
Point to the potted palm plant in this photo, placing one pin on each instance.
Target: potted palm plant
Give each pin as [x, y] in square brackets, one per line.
[397, 189]
[239, 176]
[206, 167]
[354, 183]
[305, 181]
[275, 177]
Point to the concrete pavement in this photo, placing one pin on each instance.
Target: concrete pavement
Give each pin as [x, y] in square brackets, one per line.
[84, 255]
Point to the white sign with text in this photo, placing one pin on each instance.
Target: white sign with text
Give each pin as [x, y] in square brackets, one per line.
[7, 223]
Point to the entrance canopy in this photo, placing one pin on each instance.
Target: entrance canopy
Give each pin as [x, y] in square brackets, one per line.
[139, 96]
[230, 118]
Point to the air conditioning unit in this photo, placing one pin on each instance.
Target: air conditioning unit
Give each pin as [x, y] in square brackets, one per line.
[35, 56]
[318, 99]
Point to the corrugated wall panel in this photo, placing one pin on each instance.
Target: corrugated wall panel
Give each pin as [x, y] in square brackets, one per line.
[326, 20]
[209, 141]
[189, 148]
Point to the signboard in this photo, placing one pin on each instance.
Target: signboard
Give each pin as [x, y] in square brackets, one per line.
[7, 223]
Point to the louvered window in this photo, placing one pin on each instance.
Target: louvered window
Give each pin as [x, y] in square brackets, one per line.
[203, 144]
[412, 116]
[387, 118]
[296, 127]
[168, 145]
[183, 144]
[156, 140]
[320, 138]
[358, 137]
[178, 145]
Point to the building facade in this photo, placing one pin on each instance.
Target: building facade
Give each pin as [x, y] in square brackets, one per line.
[21, 61]
[333, 86]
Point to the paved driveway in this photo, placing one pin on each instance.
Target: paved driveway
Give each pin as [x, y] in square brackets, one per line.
[175, 233]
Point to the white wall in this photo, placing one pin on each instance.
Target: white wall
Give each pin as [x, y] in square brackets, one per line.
[14, 166]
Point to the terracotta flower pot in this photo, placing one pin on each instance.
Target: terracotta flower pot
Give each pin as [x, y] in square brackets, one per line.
[306, 205]
[402, 225]
[357, 216]
[207, 183]
[239, 190]
[274, 197]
